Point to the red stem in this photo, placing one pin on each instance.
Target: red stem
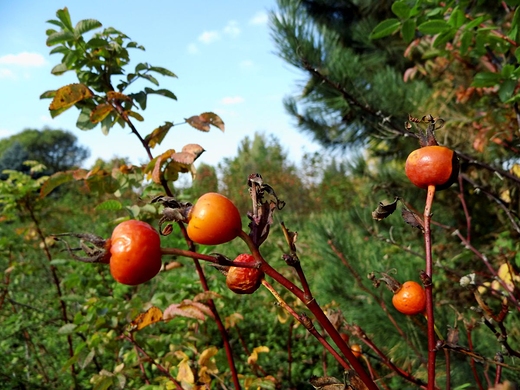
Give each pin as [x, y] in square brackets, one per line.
[429, 288]
[316, 310]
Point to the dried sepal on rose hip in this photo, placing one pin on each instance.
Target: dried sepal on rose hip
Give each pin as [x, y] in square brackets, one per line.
[432, 164]
[242, 280]
[212, 220]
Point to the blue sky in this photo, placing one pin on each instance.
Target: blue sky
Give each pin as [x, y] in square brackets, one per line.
[221, 51]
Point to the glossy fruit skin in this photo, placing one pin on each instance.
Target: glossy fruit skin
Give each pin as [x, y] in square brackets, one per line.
[135, 249]
[410, 299]
[356, 350]
[244, 280]
[213, 220]
[432, 165]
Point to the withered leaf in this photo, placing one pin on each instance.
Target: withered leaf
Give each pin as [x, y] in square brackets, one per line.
[384, 210]
[326, 383]
[69, 95]
[412, 219]
[151, 316]
[100, 112]
[203, 121]
[157, 135]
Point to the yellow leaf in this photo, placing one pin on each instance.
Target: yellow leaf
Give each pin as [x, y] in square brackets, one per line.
[185, 374]
[69, 95]
[114, 95]
[232, 320]
[157, 135]
[100, 112]
[252, 359]
[151, 316]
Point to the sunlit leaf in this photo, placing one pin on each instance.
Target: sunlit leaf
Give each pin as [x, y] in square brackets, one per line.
[432, 27]
[48, 94]
[86, 25]
[213, 119]
[385, 28]
[59, 37]
[157, 135]
[110, 204]
[69, 95]
[64, 16]
[163, 92]
[203, 121]
[84, 122]
[185, 374]
[114, 95]
[54, 181]
[67, 329]
[151, 316]
[134, 115]
[59, 69]
[100, 112]
[162, 71]
[253, 358]
[188, 309]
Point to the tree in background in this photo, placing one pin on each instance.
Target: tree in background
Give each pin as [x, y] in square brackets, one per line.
[58, 150]
[265, 156]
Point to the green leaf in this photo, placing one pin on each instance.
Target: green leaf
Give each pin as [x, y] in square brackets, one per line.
[401, 9]
[486, 79]
[59, 262]
[59, 37]
[474, 23]
[54, 181]
[140, 98]
[443, 38]
[60, 49]
[67, 329]
[163, 92]
[408, 30]
[457, 18]
[84, 122]
[107, 124]
[135, 115]
[86, 25]
[111, 205]
[141, 66]
[135, 45]
[64, 16]
[385, 28]
[506, 89]
[433, 27]
[465, 42]
[150, 78]
[48, 94]
[507, 71]
[162, 71]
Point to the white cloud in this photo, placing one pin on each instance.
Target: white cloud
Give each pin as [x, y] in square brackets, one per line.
[47, 119]
[192, 48]
[23, 59]
[232, 100]
[232, 29]
[259, 18]
[208, 37]
[6, 74]
[246, 64]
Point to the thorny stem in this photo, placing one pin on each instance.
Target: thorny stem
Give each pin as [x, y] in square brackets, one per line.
[307, 323]
[198, 267]
[429, 287]
[377, 298]
[360, 333]
[469, 329]
[313, 306]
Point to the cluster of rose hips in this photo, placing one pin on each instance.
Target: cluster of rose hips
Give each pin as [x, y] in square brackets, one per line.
[134, 249]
